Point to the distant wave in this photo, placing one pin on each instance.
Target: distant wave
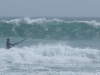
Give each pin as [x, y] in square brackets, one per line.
[43, 28]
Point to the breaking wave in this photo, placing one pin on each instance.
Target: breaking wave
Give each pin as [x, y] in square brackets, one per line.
[43, 28]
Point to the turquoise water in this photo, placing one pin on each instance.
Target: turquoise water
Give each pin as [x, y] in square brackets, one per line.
[61, 46]
[43, 28]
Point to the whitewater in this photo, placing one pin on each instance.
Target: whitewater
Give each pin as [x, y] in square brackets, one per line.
[54, 46]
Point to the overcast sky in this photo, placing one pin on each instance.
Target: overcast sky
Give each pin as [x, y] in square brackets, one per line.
[50, 8]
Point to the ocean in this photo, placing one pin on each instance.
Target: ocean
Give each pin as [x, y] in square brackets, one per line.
[53, 46]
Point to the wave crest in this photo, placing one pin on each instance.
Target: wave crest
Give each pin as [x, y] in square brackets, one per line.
[42, 28]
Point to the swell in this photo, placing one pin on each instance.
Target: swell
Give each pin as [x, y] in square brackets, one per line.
[50, 29]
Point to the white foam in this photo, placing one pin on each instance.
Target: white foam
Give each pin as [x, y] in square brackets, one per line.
[44, 20]
[48, 59]
[93, 22]
[49, 54]
[40, 20]
[14, 21]
[32, 21]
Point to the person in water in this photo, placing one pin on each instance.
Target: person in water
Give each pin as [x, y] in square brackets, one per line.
[9, 45]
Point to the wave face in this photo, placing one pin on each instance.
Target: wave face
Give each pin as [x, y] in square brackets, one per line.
[42, 28]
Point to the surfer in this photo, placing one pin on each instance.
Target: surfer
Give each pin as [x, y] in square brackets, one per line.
[9, 45]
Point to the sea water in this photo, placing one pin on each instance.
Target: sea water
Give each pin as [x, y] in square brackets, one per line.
[54, 46]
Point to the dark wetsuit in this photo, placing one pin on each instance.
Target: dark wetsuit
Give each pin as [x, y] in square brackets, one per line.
[9, 45]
